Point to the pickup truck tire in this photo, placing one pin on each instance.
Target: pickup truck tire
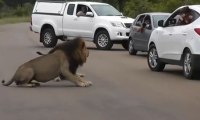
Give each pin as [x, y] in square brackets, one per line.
[125, 44]
[102, 40]
[48, 37]
[153, 60]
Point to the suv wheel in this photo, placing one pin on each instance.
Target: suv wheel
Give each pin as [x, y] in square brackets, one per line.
[125, 44]
[131, 49]
[188, 67]
[153, 61]
[48, 37]
[102, 40]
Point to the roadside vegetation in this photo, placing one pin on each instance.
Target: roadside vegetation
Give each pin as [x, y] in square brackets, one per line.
[12, 11]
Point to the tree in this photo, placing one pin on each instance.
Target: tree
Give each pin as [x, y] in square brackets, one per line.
[1, 3]
[135, 7]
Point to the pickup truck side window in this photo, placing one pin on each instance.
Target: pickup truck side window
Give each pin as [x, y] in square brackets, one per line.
[81, 10]
[70, 9]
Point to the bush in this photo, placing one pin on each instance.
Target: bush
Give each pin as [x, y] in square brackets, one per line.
[25, 10]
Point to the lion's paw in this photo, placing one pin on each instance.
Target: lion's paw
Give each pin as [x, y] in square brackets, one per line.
[84, 83]
[80, 75]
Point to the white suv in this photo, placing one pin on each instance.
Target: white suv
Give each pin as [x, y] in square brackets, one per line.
[175, 42]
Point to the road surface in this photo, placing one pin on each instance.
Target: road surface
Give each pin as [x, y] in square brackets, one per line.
[123, 86]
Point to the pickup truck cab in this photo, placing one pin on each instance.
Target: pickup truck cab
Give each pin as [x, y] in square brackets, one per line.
[98, 22]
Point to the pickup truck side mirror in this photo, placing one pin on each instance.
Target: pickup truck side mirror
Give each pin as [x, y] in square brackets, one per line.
[89, 14]
[161, 23]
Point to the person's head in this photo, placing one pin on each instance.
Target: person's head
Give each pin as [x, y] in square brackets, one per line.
[186, 10]
[147, 21]
[83, 9]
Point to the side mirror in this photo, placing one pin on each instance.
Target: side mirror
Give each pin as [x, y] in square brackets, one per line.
[89, 14]
[161, 23]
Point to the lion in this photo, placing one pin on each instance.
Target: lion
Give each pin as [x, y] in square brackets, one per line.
[60, 46]
[63, 61]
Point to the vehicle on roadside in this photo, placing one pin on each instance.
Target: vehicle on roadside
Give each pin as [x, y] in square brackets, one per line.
[141, 30]
[177, 43]
[98, 22]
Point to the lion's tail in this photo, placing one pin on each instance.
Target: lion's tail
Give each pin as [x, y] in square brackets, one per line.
[39, 53]
[8, 83]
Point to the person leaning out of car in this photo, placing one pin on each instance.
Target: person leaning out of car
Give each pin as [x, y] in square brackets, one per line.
[185, 17]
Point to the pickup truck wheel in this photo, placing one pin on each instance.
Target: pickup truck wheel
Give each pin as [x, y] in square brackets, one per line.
[125, 44]
[131, 49]
[188, 66]
[153, 60]
[48, 37]
[102, 40]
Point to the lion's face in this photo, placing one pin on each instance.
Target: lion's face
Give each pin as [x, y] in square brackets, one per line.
[84, 52]
[81, 53]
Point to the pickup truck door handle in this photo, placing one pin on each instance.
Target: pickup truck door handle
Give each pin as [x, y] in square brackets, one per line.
[75, 19]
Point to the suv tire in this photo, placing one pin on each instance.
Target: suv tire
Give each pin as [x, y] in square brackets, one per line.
[125, 44]
[153, 60]
[189, 70]
[131, 49]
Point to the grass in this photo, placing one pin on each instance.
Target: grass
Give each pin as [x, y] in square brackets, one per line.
[12, 20]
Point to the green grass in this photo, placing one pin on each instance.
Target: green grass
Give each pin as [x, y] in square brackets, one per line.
[12, 20]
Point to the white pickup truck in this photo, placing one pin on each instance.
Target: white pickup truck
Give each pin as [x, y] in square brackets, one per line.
[94, 21]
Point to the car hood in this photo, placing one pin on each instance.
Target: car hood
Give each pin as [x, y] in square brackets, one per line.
[122, 19]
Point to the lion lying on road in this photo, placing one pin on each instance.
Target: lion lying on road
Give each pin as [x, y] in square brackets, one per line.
[60, 46]
[63, 61]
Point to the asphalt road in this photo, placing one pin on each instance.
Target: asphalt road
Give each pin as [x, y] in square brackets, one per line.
[123, 86]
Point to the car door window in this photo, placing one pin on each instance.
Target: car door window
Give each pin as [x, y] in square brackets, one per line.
[140, 20]
[183, 16]
[171, 21]
[70, 9]
[147, 23]
[195, 15]
[82, 10]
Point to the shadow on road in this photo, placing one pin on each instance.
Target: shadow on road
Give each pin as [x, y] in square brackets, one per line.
[48, 85]
[113, 49]
[180, 73]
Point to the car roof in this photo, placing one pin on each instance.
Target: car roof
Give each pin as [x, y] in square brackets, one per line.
[194, 7]
[75, 2]
[87, 3]
[156, 13]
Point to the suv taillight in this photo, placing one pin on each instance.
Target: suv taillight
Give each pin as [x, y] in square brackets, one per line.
[197, 30]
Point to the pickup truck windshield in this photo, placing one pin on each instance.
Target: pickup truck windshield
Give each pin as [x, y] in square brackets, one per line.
[106, 10]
